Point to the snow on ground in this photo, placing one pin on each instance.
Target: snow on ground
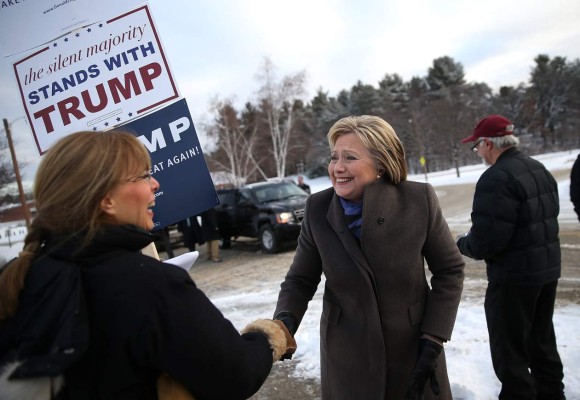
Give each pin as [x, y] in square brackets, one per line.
[468, 357]
[469, 362]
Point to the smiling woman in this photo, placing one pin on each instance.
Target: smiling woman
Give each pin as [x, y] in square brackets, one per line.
[372, 235]
[130, 201]
[86, 277]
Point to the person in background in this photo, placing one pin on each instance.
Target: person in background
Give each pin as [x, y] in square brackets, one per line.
[165, 238]
[85, 315]
[303, 185]
[191, 231]
[211, 234]
[575, 186]
[383, 326]
[515, 230]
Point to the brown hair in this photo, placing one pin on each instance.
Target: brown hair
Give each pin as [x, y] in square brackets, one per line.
[73, 177]
[379, 137]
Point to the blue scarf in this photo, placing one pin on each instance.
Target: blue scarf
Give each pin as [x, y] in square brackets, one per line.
[353, 215]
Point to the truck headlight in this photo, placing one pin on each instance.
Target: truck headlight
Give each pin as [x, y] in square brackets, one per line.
[283, 217]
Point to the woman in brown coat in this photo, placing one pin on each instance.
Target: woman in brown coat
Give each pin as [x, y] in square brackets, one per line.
[383, 326]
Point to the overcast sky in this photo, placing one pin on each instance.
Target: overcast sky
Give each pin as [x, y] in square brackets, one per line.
[216, 47]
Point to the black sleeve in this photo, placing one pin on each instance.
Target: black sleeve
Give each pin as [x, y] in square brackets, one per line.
[575, 186]
[188, 338]
[304, 274]
[494, 217]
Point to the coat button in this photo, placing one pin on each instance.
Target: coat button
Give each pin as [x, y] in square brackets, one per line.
[381, 220]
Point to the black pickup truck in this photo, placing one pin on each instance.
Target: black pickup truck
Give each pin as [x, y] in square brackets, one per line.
[270, 211]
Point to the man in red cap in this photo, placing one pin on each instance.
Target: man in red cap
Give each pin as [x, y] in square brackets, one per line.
[515, 230]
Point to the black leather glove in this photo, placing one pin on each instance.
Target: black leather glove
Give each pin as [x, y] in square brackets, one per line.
[424, 369]
[291, 324]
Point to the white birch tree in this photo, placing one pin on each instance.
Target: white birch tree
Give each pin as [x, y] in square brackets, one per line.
[277, 99]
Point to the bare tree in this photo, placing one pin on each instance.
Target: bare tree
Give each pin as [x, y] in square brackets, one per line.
[431, 115]
[237, 143]
[419, 124]
[552, 85]
[277, 100]
[6, 167]
[511, 101]
[455, 106]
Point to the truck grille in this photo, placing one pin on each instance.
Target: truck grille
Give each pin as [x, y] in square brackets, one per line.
[299, 215]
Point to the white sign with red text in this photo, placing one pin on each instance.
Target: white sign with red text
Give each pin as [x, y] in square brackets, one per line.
[95, 78]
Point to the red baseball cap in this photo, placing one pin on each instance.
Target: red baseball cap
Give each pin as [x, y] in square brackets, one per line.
[491, 126]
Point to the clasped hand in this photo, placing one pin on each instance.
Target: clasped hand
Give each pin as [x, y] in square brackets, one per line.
[290, 341]
[280, 339]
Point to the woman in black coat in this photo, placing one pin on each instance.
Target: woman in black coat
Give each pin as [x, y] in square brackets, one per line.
[85, 315]
[191, 231]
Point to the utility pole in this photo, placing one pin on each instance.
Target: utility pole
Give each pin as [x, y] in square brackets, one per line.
[17, 173]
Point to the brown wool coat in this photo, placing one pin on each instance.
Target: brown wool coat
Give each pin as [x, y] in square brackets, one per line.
[377, 301]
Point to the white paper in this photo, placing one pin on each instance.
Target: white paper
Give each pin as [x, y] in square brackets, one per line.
[184, 261]
[27, 24]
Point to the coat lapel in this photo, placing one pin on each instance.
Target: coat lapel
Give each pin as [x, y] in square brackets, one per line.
[380, 201]
[335, 217]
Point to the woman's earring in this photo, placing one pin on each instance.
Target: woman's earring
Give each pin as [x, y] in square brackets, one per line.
[378, 176]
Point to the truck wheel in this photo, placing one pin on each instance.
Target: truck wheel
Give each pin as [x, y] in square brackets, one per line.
[268, 239]
[225, 243]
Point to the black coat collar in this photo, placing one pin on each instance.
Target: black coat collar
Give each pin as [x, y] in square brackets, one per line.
[109, 239]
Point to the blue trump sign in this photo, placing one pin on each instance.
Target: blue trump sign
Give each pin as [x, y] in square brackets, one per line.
[177, 162]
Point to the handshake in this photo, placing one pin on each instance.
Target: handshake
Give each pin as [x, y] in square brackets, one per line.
[280, 334]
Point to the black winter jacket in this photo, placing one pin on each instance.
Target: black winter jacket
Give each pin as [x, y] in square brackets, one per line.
[515, 222]
[575, 186]
[144, 316]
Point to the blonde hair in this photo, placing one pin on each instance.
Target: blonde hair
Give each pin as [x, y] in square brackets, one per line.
[73, 177]
[379, 137]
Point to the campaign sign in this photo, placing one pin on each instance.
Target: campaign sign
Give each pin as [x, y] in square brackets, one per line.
[177, 162]
[93, 79]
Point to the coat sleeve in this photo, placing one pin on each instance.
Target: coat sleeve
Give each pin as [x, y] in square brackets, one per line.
[304, 275]
[447, 267]
[189, 339]
[494, 217]
[575, 186]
